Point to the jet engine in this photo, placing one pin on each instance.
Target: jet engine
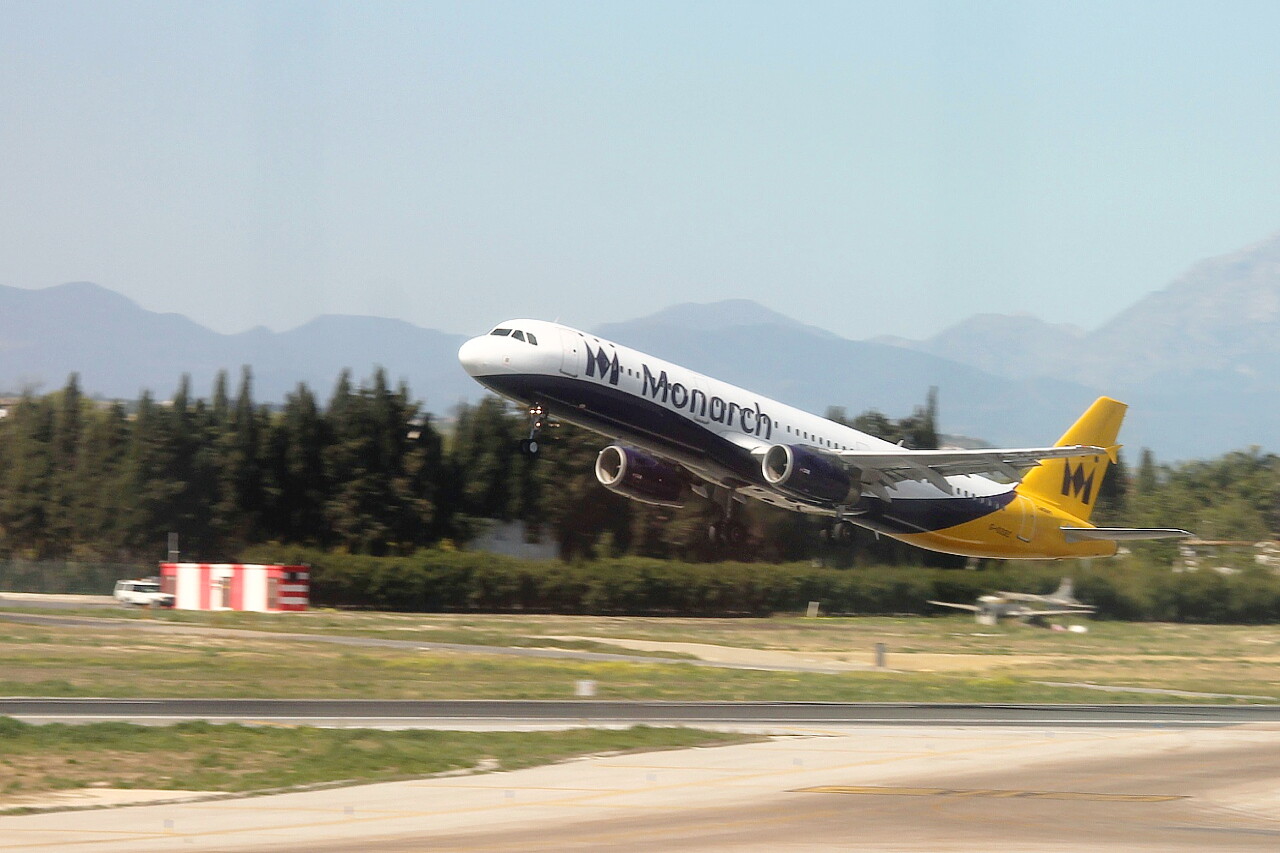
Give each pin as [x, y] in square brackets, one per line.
[799, 470]
[638, 476]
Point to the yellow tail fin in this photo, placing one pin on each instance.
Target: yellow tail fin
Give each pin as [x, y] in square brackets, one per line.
[1072, 484]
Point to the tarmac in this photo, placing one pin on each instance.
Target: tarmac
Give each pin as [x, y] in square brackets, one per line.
[839, 787]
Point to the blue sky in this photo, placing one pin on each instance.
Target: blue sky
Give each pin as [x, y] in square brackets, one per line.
[885, 168]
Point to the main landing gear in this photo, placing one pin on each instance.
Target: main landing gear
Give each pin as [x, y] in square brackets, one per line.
[841, 532]
[537, 421]
[727, 530]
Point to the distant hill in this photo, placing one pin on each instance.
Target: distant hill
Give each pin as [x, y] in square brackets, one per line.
[1221, 315]
[1017, 345]
[1198, 361]
[119, 349]
[725, 314]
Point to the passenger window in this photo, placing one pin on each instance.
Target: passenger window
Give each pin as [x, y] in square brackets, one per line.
[532, 339]
[518, 335]
[502, 333]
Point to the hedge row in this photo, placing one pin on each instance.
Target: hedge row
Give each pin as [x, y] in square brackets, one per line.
[448, 581]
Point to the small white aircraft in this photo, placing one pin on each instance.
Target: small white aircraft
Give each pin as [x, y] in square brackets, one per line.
[676, 431]
[1025, 606]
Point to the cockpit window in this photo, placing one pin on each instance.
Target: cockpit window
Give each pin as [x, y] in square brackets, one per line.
[519, 335]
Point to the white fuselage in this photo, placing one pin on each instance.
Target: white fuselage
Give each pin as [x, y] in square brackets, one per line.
[713, 428]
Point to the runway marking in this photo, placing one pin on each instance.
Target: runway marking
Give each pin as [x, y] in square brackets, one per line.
[877, 790]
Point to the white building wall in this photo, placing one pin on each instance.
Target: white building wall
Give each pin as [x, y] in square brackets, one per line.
[186, 588]
[255, 588]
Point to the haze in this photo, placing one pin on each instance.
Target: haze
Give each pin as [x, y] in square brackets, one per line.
[868, 168]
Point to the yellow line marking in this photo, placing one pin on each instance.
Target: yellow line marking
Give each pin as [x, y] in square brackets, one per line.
[883, 791]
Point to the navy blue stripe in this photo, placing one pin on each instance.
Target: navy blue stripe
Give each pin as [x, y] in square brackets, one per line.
[928, 515]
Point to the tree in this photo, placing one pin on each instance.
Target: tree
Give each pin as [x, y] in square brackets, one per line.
[146, 482]
[483, 459]
[377, 501]
[296, 451]
[100, 500]
[240, 501]
[1148, 478]
[64, 448]
[26, 478]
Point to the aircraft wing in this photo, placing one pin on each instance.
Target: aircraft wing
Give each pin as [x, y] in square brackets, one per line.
[1031, 613]
[972, 607]
[886, 469]
[1033, 598]
[1122, 534]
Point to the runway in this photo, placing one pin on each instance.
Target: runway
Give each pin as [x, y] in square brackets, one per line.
[832, 776]
[492, 714]
[849, 786]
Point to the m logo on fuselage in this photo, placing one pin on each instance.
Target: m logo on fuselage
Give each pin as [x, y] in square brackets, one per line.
[1075, 483]
[599, 364]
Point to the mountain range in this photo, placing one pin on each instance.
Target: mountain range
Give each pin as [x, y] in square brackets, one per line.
[1198, 361]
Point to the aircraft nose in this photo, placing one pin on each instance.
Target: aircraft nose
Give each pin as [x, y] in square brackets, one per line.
[472, 354]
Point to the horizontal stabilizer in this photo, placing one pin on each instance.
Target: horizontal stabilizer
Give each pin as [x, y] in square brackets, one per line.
[1122, 534]
[1082, 610]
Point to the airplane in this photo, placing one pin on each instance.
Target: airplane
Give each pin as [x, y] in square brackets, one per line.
[675, 432]
[1025, 606]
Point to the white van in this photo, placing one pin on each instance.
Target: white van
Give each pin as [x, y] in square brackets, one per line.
[142, 594]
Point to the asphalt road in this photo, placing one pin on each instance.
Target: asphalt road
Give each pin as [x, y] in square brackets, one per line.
[508, 714]
[846, 787]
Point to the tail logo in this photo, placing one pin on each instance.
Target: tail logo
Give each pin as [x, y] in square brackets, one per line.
[1075, 483]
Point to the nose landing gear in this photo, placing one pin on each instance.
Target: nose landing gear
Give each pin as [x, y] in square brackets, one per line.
[537, 421]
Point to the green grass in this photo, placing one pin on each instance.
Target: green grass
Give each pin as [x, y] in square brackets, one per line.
[947, 655]
[953, 661]
[206, 757]
[936, 635]
[486, 631]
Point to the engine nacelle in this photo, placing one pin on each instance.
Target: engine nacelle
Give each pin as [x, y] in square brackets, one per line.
[802, 472]
[638, 476]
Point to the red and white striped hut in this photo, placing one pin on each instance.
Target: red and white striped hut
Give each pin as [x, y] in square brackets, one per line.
[236, 586]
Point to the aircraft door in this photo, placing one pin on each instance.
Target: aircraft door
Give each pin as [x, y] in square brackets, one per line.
[1026, 519]
[571, 354]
